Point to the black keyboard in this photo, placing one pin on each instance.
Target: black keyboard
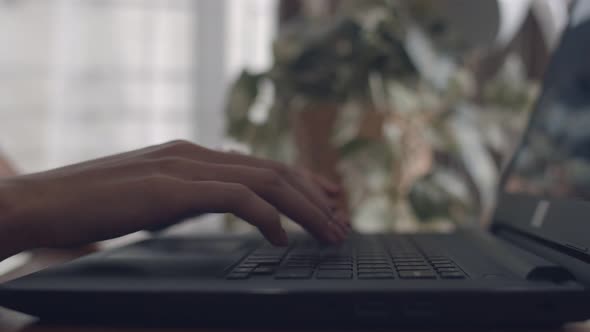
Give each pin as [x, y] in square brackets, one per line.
[375, 259]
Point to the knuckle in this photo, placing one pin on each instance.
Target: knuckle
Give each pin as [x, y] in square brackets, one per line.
[177, 146]
[282, 170]
[157, 183]
[178, 142]
[164, 165]
[170, 164]
[149, 166]
[157, 190]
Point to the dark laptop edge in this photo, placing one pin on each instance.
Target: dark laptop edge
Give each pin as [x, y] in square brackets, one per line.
[541, 224]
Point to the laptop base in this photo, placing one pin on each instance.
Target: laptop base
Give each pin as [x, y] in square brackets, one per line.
[184, 282]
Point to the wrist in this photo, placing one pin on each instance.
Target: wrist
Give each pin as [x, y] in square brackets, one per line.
[15, 234]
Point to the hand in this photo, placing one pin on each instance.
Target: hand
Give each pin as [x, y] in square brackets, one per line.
[159, 186]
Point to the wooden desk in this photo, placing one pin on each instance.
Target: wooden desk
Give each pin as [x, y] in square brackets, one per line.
[11, 321]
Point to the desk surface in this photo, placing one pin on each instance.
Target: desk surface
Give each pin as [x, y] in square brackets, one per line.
[11, 321]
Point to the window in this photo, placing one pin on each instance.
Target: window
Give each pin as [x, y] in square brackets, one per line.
[81, 79]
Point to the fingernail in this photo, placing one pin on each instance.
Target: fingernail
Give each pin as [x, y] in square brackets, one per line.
[283, 238]
[342, 218]
[340, 232]
[347, 222]
[337, 225]
[334, 235]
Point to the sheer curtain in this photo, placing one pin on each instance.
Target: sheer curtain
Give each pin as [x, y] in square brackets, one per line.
[84, 78]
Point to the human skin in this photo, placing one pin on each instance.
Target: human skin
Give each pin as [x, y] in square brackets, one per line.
[6, 169]
[158, 186]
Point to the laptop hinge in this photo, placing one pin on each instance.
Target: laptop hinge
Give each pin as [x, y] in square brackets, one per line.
[578, 268]
[522, 262]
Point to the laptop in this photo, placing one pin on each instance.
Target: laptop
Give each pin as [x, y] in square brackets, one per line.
[530, 267]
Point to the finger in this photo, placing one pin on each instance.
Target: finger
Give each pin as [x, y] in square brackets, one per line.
[299, 182]
[266, 184]
[185, 198]
[344, 217]
[327, 185]
[196, 152]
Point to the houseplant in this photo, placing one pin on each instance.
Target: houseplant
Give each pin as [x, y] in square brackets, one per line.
[410, 136]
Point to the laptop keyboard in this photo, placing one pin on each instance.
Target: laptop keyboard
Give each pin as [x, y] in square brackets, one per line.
[354, 260]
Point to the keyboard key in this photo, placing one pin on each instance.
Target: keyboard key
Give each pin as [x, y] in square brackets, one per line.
[402, 255]
[298, 267]
[376, 276]
[264, 270]
[407, 260]
[335, 257]
[299, 256]
[290, 259]
[440, 261]
[335, 267]
[373, 265]
[243, 269]
[417, 275]
[301, 263]
[372, 259]
[265, 256]
[445, 265]
[375, 272]
[434, 257]
[413, 268]
[264, 260]
[334, 274]
[447, 269]
[336, 262]
[411, 264]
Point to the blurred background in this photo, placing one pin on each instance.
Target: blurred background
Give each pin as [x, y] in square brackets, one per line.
[413, 106]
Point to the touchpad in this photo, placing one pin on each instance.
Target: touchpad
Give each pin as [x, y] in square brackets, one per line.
[169, 257]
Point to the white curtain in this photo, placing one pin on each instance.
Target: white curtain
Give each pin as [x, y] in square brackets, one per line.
[85, 78]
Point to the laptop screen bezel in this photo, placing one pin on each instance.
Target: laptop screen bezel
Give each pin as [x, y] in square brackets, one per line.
[561, 221]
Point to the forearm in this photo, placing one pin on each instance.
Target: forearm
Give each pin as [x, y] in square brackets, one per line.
[15, 236]
[6, 169]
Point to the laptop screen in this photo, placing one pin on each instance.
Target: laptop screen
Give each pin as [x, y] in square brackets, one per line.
[552, 163]
[554, 159]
